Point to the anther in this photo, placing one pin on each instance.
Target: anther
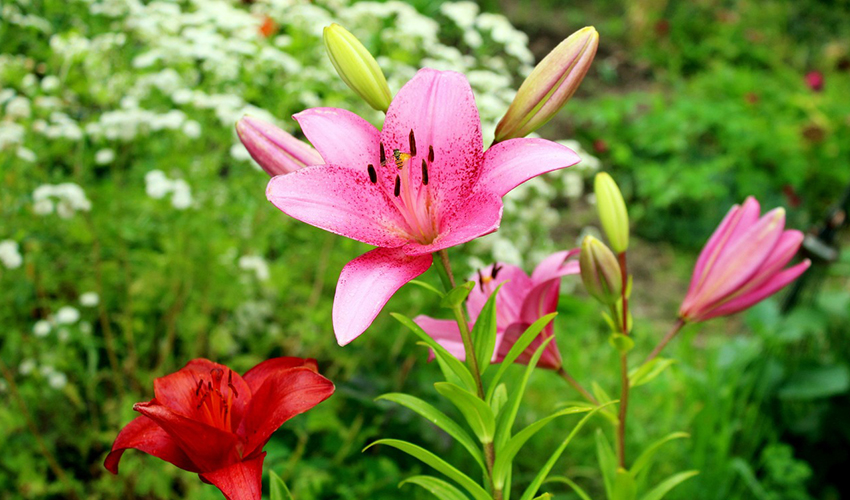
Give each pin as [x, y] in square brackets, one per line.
[397, 186]
[424, 173]
[383, 155]
[230, 384]
[496, 269]
[198, 389]
[431, 154]
[480, 280]
[412, 143]
[373, 176]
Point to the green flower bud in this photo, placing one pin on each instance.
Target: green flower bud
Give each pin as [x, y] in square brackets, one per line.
[612, 211]
[600, 271]
[551, 84]
[356, 66]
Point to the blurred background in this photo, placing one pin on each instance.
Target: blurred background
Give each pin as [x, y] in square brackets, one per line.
[135, 234]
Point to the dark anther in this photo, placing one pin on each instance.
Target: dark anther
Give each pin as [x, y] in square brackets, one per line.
[383, 155]
[424, 173]
[431, 154]
[397, 186]
[412, 143]
[480, 280]
[496, 269]
[373, 176]
[198, 389]
[230, 384]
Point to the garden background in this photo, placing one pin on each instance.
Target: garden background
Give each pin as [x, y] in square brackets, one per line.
[136, 234]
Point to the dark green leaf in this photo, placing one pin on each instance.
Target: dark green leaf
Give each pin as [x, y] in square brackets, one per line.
[456, 296]
[668, 484]
[450, 361]
[484, 332]
[477, 413]
[441, 489]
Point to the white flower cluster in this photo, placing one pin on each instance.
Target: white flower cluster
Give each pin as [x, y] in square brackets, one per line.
[66, 199]
[10, 256]
[157, 185]
[256, 264]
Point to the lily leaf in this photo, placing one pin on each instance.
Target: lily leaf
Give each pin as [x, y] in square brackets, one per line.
[518, 348]
[439, 419]
[445, 357]
[607, 462]
[569, 482]
[645, 457]
[455, 297]
[427, 286]
[277, 487]
[440, 465]
[484, 332]
[668, 484]
[500, 397]
[541, 476]
[625, 487]
[477, 413]
[441, 489]
[506, 455]
[648, 371]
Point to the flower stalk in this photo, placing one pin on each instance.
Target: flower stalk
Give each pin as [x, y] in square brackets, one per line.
[624, 366]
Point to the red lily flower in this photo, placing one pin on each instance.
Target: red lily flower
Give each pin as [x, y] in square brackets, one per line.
[207, 419]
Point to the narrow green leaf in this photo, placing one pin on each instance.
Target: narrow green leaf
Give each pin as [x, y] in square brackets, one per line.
[441, 489]
[569, 482]
[484, 332]
[623, 343]
[668, 484]
[439, 419]
[624, 485]
[505, 457]
[645, 457]
[541, 476]
[603, 398]
[478, 414]
[450, 361]
[428, 286]
[500, 397]
[607, 462]
[648, 371]
[520, 345]
[447, 371]
[456, 296]
[277, 487]
[440, 465]
[545, 496]
[506, 418]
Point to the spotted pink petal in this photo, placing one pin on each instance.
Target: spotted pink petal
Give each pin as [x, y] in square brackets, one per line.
[367, 283]
[510, 163]
[341, 137]
[340, 200]
[480, 214]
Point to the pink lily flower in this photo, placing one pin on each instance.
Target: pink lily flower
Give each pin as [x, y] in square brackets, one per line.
[522, 300]
[742, 263]
[420, 185]
[274, 149]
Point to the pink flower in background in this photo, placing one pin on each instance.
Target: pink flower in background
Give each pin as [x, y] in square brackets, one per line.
[521, 301]
[274, 149]
[420, 185]
[814, 80]
[742, 263]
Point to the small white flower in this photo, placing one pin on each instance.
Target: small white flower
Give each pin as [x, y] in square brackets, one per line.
[9, 254]
[255, 263]
[67, 315]
[57, 380]
[157, 185]
[192, 129]
[89, 299]
[27, 366]
[41, 328]
[104, 156]
[181, 198]
[18, 107]
[49, 83]
[43, 207]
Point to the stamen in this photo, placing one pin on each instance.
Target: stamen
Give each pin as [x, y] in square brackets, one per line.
[480, 281]
[383, 155]
[424, 173]
[412, 143]
[198, 389]
[496, 269]
[373, 176]
[397, 186]
[431, 154]
[230, 384]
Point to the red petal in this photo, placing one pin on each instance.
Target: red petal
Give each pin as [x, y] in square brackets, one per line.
[178, 391]
[145, 435]
[258, 374]
[240, 481]
[208, 447]
[284, 394]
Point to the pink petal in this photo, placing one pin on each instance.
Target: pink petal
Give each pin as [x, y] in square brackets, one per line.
[240, 481]
[510, 163]
[341, 137]
[274, 149]
[367, 283]
[771, 286]
[145, 435]
[341, 200]
[478, 215]
[551, 357]
[283, 395]
[445, 332]
[556, 266]
[509, 302]
[541, 300]
[440, 109]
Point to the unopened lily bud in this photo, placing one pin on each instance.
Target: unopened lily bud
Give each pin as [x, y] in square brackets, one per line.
[600, 271]
[274, 149]
[612, 211]
[356, 66]
[550, 85]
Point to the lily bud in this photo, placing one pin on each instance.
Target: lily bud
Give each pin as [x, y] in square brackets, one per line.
[551, 84]
[600, 271]
[612, 211]
[356, 66]
[274, 149]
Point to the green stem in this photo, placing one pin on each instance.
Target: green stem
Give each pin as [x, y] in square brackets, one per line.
[577, 386]
[624, 369]
[680, 323]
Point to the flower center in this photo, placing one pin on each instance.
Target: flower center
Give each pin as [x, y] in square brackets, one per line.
[213, 405]
[484, 280]
[407, 187]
